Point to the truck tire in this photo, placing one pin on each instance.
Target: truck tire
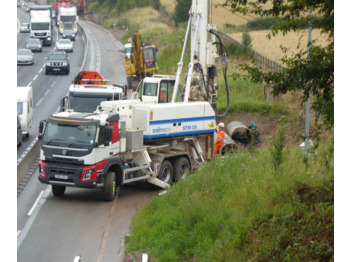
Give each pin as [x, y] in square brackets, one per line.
[58, 190]
[166, 172]
[109, 189]
[181, 167]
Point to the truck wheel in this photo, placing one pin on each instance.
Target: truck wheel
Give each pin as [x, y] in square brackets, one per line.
[109, 189]
[181, 167]
[46, 71]
[166, 172]
[58, 190]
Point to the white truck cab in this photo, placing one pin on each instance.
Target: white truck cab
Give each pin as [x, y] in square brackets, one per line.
[158, 89]
[25, 108]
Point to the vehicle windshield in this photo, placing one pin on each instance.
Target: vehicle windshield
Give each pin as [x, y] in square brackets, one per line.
[66, 19]
[24, 52]
[56, 57]
[40, 26]
[33, 41]
[87, 104]
[20, 108]
[150, 89]
[69, 135]
[68, 32]
[64, 41]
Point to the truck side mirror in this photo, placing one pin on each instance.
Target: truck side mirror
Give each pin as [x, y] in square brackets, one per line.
[63, 103]
[42, 126]
[108, 135]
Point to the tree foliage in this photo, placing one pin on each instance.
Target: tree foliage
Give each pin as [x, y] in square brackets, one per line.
[314, 73]
[181, 11]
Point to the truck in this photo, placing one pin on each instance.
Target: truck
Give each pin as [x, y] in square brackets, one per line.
[25, 108]
[67, 18]
[122, 142]
[87, 91]
[141, 63]
[57, 6]
[41, 23]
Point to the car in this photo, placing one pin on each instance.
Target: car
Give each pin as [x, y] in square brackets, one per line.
[34, 44]
[64, 45]
[25, 57]
[57, 62]
[24, 28]
[29, 6]
[68, 34]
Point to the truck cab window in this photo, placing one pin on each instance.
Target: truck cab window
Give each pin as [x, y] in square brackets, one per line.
[101, 135]
[150, 89]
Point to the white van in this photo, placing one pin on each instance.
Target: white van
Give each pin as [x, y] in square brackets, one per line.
[25, 107]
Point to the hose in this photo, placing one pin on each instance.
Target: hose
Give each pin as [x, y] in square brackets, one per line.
[224, 54]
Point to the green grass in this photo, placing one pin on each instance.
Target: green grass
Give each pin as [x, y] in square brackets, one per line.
[237, 207]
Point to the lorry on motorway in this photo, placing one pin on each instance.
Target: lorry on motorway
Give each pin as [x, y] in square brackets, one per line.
[41, 23]
[87, 92]
[67, 18]
[25, 108]
[57, 5]
[122, 142]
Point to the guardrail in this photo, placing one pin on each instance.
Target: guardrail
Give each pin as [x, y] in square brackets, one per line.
[28, 162]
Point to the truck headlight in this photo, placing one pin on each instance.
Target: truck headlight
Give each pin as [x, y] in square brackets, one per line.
[42, 169]
[48, 64]
[49, 38]
[64, 64]
[88, 174]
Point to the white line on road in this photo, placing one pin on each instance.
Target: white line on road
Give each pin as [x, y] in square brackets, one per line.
[35, 203]
[53, 83]
[39, 102]
[46, 92]
[18, 232]
[29, 84]
[40, 70]
[35, 77]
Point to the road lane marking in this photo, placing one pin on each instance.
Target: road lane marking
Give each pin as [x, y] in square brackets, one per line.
[105, 234]
[35, 77]
[39, 102]
[46, 92]
[35, 203]
[29, 84]
[18, 232]
[32, 218]
[40, 70]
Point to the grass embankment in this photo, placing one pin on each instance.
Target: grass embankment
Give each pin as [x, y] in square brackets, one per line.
[237, 208]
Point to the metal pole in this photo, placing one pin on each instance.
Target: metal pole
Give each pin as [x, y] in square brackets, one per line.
[307, 110]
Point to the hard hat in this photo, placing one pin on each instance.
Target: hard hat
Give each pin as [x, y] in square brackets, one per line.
[221, 125]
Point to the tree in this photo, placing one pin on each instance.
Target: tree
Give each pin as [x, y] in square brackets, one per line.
[313, 74]
[181, 11]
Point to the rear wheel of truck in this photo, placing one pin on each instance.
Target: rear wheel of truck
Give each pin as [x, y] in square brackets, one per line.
[181, 167]
[109, 189]
[58, 190]
[166, 172]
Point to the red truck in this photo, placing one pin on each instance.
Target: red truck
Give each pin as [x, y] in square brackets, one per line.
[57, 5]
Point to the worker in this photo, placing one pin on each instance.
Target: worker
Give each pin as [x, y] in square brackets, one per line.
[220, 138]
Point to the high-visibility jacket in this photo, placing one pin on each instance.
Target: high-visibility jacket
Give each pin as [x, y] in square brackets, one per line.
[219, 141]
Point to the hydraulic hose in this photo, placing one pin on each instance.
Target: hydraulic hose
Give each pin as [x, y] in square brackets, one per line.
[224, 54]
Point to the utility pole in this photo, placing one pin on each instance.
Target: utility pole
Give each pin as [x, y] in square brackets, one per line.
[307, 142]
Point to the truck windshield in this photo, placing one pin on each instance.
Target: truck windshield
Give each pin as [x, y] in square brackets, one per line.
[40, 26]
[86, 104]
[66, 19]
[20, 108]
[69, 135]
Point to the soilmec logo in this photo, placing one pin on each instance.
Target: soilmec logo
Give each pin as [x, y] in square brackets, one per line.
[161, 130]
[211, 125]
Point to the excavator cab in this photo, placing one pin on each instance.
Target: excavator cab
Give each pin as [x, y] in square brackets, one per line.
[150, 59]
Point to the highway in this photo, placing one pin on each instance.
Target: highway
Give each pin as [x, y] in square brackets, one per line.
[79, 224]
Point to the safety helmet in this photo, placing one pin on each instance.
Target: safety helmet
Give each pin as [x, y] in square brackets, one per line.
[221, 125]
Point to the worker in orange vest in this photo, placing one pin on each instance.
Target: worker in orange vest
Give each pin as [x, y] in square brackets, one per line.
[220, 138]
